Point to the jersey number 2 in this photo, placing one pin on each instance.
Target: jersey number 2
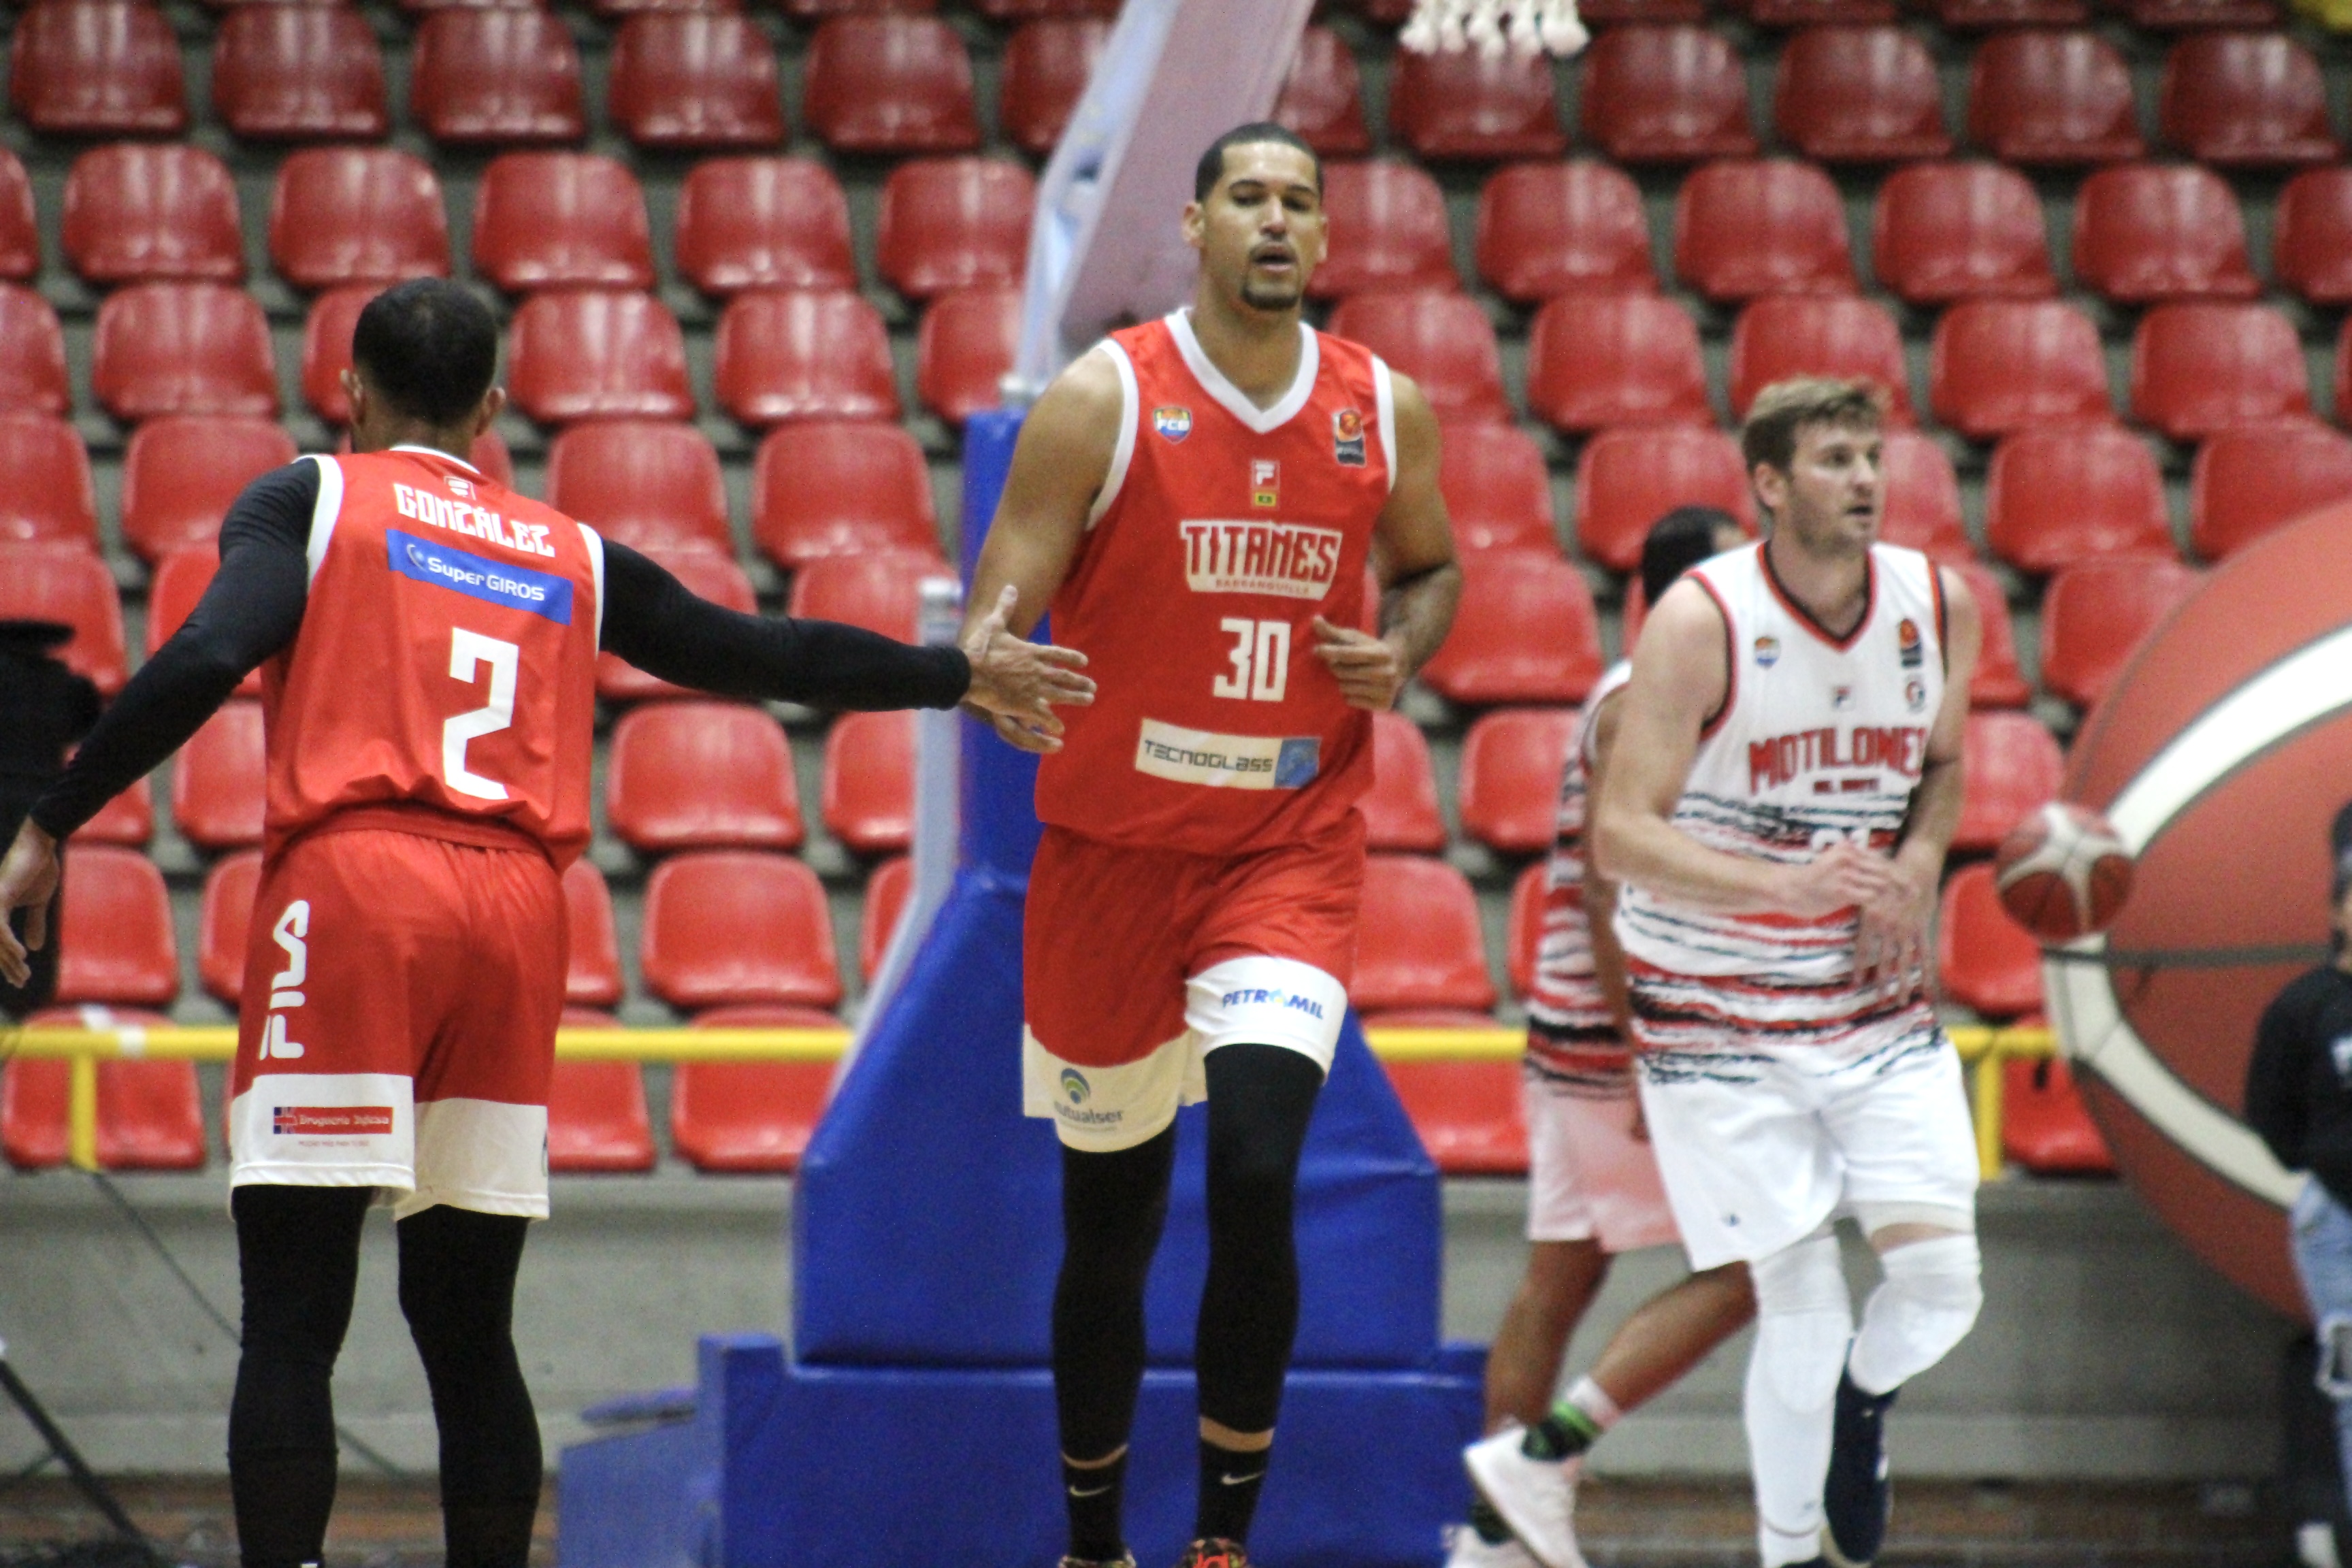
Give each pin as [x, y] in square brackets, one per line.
[467, 649]
[1261, 659]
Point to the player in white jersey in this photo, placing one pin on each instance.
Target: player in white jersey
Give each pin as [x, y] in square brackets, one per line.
[1786, 781]
[1593, 1184]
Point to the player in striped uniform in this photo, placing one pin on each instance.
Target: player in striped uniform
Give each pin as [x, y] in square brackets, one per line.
[1785, 784]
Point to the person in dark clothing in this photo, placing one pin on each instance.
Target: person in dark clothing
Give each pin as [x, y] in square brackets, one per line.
[48, 708]
[2299, 1099]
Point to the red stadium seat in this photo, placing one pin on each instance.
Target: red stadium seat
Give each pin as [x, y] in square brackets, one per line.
[1972, 15]
[115, 941]
[701, 775]
[1999, 682]
[886, 900]
[342, 216]
[1986, 962]
[327, 334]
[1401, 808]
[804, 354]
[1472, 105]
[592, 976]
[1443, 340]
[817, 10]
[2313, 243]
[870, 782]
[68, 583]
[2245, 101]
[1769, 227]
[1612, 14]
[553, 220]
[2095, 614]
[591, 354]
[299, 73]
[1815, 13]
[134, 212]
[2202, 366]
[1627, 480]
[763, 223]
[738, 925]
[1388, 230]
[1026, 10]
[750, 1116]
[220, 782]
[889, 84]
[1665, 94]
[881, 591]
[1957, 231]
[2144, 233]
[1922, 498]
[2014, 768]
[183, 348]
[2044, 1124]
[1804, 334]
[32, 355]
[691, 80]
[1470, 1115]
[225, 924]
[20, 235]
[129, 819]
[497, 75]
[2169, 16]
[2248, 480]
[1512, 761]
[181, 473]
[646, 483]
[953, 223]
[2057, 496]
[1998, 365]
[2051, 98]
[836, 487]
[1322, 100]
[46, 496]
[1548, 229]
[180, 580]
[1047, 65]
[1498, 489]
[1523, 932]
[705, 573]
[1599, 360]
[1420, 945]
[964, 349]
[1526, 632]
[150, 1113]
[96, 67]
[597, 1121]
[1860, 95]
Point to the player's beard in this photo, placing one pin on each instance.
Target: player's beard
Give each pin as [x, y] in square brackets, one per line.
[1265, 294]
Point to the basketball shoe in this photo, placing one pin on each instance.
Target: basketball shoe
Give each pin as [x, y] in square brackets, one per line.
[1537, 1497]
[1857, 1497]
[1471, 1551]
[1216, 1552]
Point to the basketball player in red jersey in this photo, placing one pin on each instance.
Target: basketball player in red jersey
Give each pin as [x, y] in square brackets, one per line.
[427, 641]
[1197, 498]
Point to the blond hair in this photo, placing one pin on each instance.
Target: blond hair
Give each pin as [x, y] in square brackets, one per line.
[1786, 407]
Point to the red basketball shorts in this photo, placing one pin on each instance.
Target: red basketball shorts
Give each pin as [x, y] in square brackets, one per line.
[397, 1025]
[1138, 963]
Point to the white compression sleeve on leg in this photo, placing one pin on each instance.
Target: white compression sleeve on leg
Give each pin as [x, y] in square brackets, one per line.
[1923, 1307]
[1803, 1320]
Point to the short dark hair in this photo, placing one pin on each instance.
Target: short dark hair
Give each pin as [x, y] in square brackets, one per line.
[429, 348]
[1678, 541]
[1786, 407]
[1212, 167]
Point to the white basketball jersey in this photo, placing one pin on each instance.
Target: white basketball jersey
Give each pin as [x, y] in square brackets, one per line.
[1572, 1039]
[1820, 739]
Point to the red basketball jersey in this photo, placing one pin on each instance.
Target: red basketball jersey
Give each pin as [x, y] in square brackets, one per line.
[1221, 532]
[447, 656]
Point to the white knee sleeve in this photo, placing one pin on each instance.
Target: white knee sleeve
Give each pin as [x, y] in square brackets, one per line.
[1923, 1307]
[1803, 1320]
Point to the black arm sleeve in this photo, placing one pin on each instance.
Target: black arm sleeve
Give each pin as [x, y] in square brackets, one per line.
[654, 623]
[2275, 1105]
[250, 612]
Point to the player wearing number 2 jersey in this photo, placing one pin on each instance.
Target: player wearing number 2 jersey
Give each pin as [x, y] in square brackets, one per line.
[1198, 497]
[429, 642]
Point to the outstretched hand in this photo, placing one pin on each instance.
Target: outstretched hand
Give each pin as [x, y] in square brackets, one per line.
[1370, 670]
[1016, 684]
[28, 881]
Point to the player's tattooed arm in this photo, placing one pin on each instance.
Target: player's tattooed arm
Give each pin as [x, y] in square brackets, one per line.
[1412, 554]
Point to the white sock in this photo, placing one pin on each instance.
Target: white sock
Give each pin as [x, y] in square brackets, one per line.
[1803, 1321]
[1593, 1400]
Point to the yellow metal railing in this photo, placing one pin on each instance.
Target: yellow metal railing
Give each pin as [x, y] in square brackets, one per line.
[1988, 1049]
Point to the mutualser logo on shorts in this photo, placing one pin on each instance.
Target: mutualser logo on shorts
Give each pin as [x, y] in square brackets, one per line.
[1292, 559]
[1074, 1086]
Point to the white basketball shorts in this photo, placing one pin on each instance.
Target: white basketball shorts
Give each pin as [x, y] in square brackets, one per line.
[1589, 1178]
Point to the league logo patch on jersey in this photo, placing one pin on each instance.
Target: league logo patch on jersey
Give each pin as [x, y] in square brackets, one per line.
[1768, 652]
[1266, 482]
[1841, 697]
[462, 489]
[1174, 421]
[1348, 438]
[1907, 641]
[1914, 694]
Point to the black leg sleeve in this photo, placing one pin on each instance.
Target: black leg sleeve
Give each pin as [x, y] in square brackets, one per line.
[456, 1286]
[298, 1258]
[1113, 1206]
[1260, 1100]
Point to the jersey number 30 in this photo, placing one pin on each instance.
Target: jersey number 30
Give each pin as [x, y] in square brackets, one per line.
[1261, 659]
[467, 649]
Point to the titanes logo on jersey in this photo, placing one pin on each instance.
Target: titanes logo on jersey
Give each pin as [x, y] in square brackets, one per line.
[1291, 560]
[473, 521]
[1348, 438]
[1773, 762]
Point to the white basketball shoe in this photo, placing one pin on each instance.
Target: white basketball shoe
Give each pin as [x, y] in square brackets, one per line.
[1537, 1497]
[1471, 1552]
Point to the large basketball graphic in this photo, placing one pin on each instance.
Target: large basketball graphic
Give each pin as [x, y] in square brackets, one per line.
[2220, 757]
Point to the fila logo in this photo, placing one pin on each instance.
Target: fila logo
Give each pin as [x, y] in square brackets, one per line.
[1266, 482]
